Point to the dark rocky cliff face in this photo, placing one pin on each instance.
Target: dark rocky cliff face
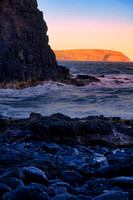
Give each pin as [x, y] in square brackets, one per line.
[24, 50]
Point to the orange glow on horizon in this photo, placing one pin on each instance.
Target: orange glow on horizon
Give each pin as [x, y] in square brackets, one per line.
[94, 34]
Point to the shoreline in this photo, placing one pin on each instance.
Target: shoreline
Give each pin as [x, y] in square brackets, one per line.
[58, 157]
[108, 131]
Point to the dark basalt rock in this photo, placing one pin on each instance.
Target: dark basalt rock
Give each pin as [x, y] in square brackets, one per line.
[33, 174]
[86, 172]
[72, 177]
[105, 172]
[115, 195]
[41, 187]
[82, 80]
[3, 189]
[59, 160]
[65, 197]
[25, 55]
[65, 130]
[123, 182]
[27, 193]
[88, 77]
[12, 182]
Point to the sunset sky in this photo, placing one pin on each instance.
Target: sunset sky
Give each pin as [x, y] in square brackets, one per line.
[88, 24]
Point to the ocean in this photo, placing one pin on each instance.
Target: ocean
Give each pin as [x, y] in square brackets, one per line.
[112, 96]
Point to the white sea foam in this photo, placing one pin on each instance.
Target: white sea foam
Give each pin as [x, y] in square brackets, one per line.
[112, 96]
[115, 81]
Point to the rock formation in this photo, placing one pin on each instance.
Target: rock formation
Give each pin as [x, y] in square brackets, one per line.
[57, 157]
[61, 129]
[24, 51]
[91, 55]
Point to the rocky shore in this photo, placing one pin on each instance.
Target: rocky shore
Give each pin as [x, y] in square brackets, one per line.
[57, 157]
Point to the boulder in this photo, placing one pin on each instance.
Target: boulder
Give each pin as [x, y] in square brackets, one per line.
[41, 187]
[123, 182]
[33, 174]
[124, 167]
[58, 190]
[3, 189]
[12, 182]
[64, 197]
[26, 193]
[105, 171]
[72, 177]
[112, 195]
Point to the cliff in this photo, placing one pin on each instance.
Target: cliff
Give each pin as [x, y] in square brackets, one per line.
[24, 51]
[91, 55]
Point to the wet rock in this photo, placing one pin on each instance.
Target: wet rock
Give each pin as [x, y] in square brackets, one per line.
[65, 197]
[87, 78]
[85, 170]
[129, 193]
[60, 129]
[45, 162]
[83, 189]
[10, 157]
[47, 128]
[69, 158]
[84, 197]
[11, 136]
[3, 189]
[12, 172]
[105, 172]
[27, 193]
[115, 195]
[99, 185]
[125, 129]
[58, 190]
[12, 182]
[124, 167]
[51, 167]
[99, 160]
[51, 148]
[41, 187]
[72, 177]
[123, 182]
[101, 127]
[116, 157]
[33, 174]
[59, 183]
[98, 189]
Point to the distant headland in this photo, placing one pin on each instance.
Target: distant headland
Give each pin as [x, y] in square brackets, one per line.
[91, 55]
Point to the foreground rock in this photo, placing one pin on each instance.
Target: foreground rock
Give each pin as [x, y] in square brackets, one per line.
[115, 195]
[33, 174]
[70, 172]
[63, 129]
[25, 56]
[57, 158]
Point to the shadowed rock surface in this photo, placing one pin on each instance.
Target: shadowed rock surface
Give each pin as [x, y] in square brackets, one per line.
[25, 55]
[91, 55]
[62, 129]
[58, 157]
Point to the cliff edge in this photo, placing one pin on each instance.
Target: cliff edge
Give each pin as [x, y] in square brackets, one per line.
[91, 55]
[24, 51]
